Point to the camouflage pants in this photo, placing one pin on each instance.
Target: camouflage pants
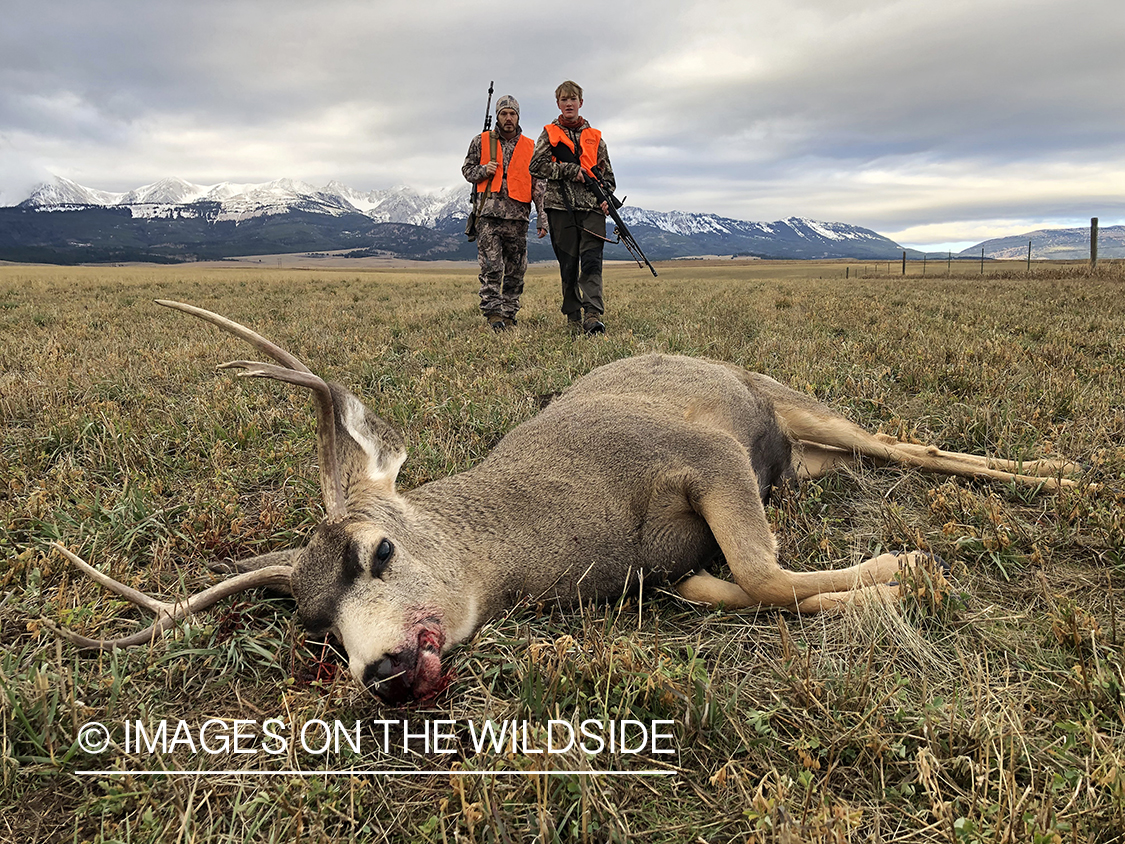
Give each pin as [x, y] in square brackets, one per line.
[577, 240]
[502, 251]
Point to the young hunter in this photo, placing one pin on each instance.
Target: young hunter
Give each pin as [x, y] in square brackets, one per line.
[577, 219]
[497, 163]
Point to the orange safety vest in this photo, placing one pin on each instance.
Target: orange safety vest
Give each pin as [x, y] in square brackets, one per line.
[519, 174]
[588, 141]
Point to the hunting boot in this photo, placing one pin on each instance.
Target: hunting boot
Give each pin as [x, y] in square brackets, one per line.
[496, 322]
[593, 323]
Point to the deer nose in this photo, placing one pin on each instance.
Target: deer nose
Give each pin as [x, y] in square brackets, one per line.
[389, 679]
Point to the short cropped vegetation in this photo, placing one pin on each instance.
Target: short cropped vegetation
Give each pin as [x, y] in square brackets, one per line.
[988, 706]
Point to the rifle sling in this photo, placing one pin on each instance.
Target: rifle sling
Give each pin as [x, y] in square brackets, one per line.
[492, 144]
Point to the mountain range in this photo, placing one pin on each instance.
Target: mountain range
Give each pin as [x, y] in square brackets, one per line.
[173, 220]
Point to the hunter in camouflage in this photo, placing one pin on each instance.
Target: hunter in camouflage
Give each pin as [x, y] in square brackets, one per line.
[505, 193]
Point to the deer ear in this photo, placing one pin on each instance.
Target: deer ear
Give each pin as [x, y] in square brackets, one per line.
[368, 450]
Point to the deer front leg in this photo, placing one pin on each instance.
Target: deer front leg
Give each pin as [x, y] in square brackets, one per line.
[704, 588]
[730, 504]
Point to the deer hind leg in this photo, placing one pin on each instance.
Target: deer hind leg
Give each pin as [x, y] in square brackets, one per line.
[951, 462]
[733, 511]
[826, 441]
[815, 460]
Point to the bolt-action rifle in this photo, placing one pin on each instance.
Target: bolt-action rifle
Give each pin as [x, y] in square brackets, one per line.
[595, 182]
[474, 194]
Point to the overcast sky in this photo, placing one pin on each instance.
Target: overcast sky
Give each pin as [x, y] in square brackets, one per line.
[933, 123]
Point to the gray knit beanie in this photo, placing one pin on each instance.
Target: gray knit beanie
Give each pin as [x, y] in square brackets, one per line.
[508, 101]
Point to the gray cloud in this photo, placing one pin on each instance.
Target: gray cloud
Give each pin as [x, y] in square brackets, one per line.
[921, 120]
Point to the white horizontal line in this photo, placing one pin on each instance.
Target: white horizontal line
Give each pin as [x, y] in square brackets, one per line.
[390, 773]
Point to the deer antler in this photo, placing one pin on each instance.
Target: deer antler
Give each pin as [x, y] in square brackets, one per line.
[166, 613]
[291, 371]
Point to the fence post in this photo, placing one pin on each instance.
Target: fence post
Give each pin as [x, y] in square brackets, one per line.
[982, 260]
[1029, 256]
[904, 262]
[1093, 243]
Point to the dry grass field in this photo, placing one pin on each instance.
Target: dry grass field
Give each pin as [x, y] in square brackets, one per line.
[989, 707]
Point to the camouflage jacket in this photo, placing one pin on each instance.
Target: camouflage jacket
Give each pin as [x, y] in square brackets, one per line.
[560, 177]
[500, 204]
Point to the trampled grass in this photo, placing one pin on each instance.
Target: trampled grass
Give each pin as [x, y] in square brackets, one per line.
[986, 707]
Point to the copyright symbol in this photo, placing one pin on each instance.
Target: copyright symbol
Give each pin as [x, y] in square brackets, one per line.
[93, 737]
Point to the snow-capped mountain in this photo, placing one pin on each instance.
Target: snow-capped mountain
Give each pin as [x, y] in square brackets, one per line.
[174, 196]
[171, 191]
[683, 223]
[289, 215]
[62, 193]
[403, 204]
[239, 201]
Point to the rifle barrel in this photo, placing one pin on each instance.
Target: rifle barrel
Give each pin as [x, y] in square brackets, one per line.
[488, 108]
[625, 236]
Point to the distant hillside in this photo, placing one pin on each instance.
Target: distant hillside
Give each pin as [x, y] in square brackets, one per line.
[1053, 244]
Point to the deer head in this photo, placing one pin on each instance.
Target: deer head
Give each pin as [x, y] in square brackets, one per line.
[370, 570]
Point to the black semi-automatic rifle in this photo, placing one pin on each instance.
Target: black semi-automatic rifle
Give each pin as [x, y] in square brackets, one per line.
[474, 194]
[601, 190]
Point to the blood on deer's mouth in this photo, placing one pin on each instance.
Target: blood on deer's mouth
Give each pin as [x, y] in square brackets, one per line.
[413, 673]
[429, 676]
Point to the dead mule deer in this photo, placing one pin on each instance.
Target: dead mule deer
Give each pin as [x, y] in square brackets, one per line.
[646, 468]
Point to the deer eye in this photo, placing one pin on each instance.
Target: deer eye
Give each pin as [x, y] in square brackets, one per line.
[382, 554]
